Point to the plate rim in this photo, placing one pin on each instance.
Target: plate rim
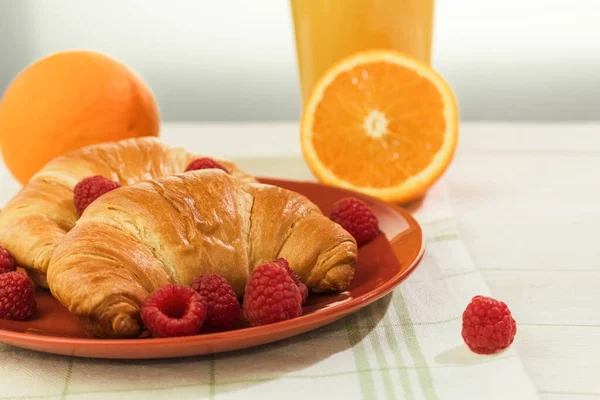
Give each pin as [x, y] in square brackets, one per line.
[312, 320]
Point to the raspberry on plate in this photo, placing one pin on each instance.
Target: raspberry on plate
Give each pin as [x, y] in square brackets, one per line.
[89, 189]
[204, 163]
[357, 218]
[17, 296]
[173, 310]
[271, 295]
[295, 276]
[7, 262]
[222, 306]
[487, 325]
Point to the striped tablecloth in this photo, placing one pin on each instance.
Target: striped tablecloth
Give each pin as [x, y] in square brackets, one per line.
[405, 346]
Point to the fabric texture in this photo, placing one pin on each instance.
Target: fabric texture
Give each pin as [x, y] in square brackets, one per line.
[405, 346]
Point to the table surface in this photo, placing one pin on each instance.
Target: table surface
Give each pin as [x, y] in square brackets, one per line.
[526, 197]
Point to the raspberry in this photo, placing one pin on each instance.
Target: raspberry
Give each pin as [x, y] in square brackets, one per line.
[355, 217]
[17, 296]
[222, 306]
[204, 163]
[301, 286]
[173, 310]
[271, 295]
[7, 262]
[90, 189]
[487, 325]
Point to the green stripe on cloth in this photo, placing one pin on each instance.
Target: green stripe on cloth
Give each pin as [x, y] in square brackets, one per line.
[444, 237]
[443, 278]
[414, 348]
[442, 223]
[68, 376]
[211, 375]
[381, 361]
[365, 375]
[404, 381]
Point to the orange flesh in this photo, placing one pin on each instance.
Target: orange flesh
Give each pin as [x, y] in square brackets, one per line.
[402, 110]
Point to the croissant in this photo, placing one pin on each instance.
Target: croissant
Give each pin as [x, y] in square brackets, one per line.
[137, 238]
[36, 220]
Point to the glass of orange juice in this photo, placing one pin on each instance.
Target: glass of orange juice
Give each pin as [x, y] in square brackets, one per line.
[329, 30]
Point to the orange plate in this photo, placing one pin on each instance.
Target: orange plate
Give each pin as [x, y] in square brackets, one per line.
[383, 264]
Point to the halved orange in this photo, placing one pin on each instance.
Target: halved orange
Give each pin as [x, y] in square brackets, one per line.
[382, 123]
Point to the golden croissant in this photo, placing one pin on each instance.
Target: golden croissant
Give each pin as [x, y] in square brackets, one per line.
[36, 220]
[138, 238]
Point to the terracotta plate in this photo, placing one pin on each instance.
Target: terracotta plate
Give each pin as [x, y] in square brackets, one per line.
[383, 264]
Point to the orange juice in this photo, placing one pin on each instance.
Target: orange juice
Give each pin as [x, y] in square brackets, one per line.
[328, 30]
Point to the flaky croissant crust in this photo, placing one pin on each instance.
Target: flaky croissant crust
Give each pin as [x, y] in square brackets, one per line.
[138, 238]
[36, 220]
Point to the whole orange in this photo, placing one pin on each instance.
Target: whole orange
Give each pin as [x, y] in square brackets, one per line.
[70, 100]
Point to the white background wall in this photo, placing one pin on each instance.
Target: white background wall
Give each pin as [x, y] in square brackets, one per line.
[235, 59]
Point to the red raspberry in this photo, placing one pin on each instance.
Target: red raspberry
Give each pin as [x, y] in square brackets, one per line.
[487, 325]
[355, 217]
[90, 189]
[204, 163]
[173, 310]
[17, 296]
[271, 295]
[222, 306]
[301, 286]
[7, 262]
